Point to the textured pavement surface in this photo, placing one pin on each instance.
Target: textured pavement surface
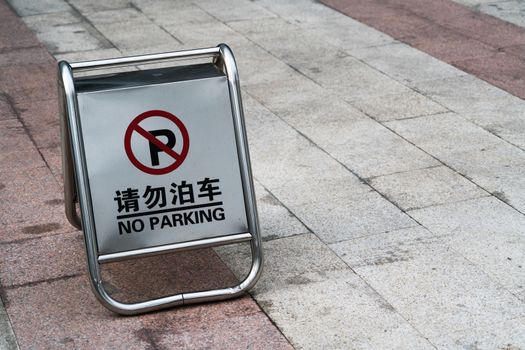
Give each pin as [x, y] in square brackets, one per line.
[388, 148]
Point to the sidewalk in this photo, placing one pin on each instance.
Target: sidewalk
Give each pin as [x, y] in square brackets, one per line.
[389, 176]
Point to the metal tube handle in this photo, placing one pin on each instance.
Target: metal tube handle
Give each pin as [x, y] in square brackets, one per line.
[129, 60]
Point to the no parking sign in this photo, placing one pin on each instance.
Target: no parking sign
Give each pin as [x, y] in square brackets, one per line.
[156, 145]
[158, 160]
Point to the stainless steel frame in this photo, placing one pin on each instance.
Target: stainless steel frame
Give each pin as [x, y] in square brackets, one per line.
[76, 183]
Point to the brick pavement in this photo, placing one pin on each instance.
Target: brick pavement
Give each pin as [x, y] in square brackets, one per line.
[389, 181]
[44, 285]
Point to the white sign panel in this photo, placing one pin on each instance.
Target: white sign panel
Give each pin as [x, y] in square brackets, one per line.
[162, 163]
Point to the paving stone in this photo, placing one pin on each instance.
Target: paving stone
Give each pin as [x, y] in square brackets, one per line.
[6, 111]
[446, 136]
[14, 34]
[234, 10]
[361, 144]
[448, 45]
[33, 205]
[436, 289]
[258, 66]
[218, 325]
[332, 68]
[88, 55]
[347, 33]
[290, 166]
[397, 106]
[275, 220]
[166, 274]
[485, 159]
[35, 55]
[311, 257]
[206, 34]
[398, 61]
[352, 79]
[53, 159]
[41, 118]
[286, 96]
[504, 181]
[472, 3]
[345, 218]
[293, 45]
[501, 69]
[64, 32]
[485, 231]
[301, 12]
[349, 315]
[487, 29]
[51, 257]
[28, 8]
[130, 38]
[72, 316]
[369, 149]
[505, 335]
[18, 152]
[86, 6]
[130, 15]
[31, 82]
[167, 13]
[247, 331]
[7, 337]
[426, 187]
[384, 248]
[510, 11]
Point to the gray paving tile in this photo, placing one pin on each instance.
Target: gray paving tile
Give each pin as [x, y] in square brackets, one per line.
[294, 169]
[346, 33]
[275, 220]
[472, 3]
[484, 158]
[130, 38]
[169, 13]
[360, 143]
[462, 94]
[234, 10]
[370, 149]
[505, 182]
[206, 34]
[487, 232]
[309, 256]
[255, 27]
[350, 78]
[130, 15]
[399, 60]
[512, 11]
[484, 104]
[505, 335]
[88, 55]
[65, 32]
[86, 6]
[355, 216]
[7, 337]
[257, 66]
[385, 248]
[445, 136]
[426, 187]
[28, 7]
[434, 288]
[301, 11]
[319, 303]
[397, 106]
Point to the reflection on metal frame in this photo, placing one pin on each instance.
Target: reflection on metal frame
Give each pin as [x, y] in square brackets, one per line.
[76, 183]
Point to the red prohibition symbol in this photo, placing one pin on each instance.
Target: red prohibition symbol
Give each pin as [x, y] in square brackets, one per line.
[157, 144]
